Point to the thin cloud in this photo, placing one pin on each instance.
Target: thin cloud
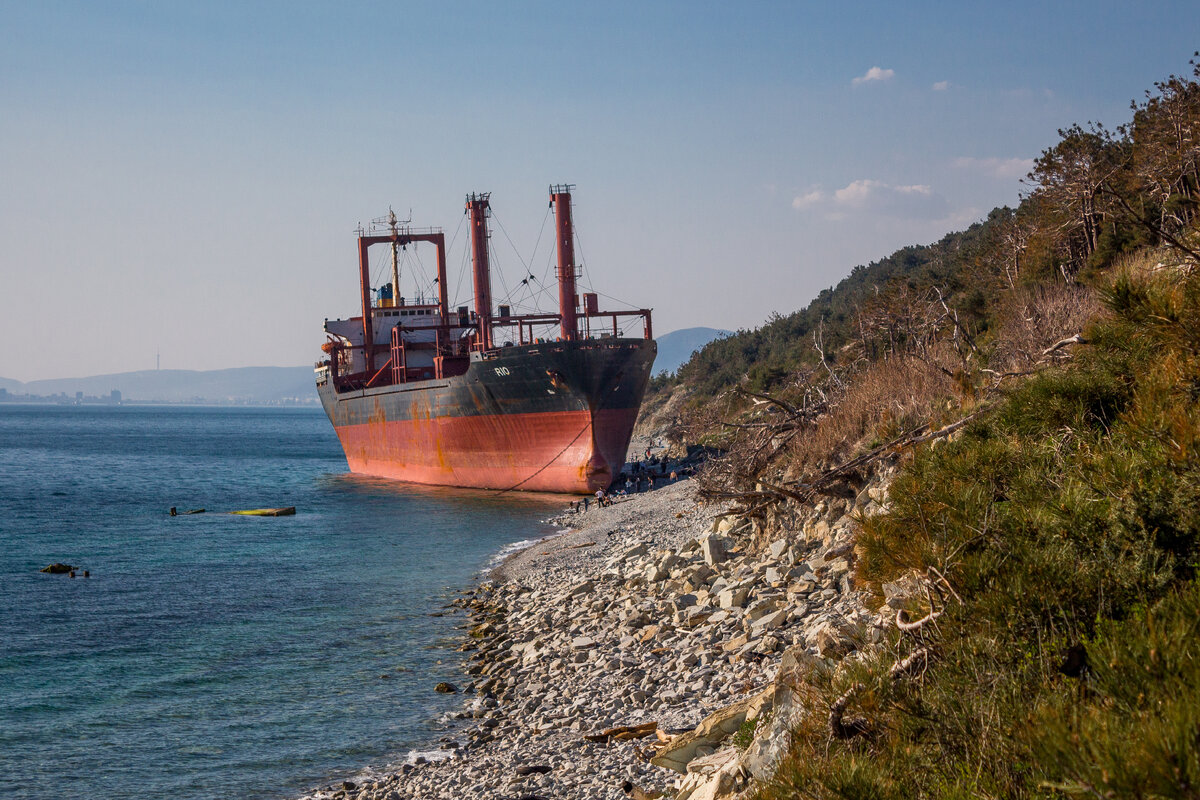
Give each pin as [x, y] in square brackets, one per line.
[874, 74]
[866, 196]
[941, 86]
[808, 200]
[996, 167]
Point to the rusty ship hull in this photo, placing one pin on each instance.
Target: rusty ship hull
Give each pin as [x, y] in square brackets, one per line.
[553, 417]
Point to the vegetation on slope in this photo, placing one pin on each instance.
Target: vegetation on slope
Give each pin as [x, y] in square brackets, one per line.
[1061, 655]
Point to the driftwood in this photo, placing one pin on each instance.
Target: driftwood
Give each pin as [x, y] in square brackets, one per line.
[623, 733]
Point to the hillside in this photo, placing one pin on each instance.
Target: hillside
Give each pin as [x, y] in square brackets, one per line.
[1005, 424]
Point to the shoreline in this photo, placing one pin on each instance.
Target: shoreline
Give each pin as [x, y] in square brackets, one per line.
[609, 659]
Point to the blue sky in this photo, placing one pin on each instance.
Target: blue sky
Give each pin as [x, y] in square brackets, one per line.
[186, 177]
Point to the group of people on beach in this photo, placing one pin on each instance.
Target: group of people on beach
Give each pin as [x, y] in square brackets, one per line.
[642, 476]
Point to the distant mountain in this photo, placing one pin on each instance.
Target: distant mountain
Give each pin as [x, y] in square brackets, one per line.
[239, 385]
[676, 347]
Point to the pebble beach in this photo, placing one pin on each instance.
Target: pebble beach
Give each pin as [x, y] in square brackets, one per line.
[619, 657]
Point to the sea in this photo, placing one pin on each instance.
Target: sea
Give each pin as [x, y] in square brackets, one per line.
[214, 655]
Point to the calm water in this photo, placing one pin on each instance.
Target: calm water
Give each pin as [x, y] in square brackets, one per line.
[216, 656]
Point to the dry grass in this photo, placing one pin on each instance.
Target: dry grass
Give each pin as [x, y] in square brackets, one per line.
[883, 400]
[1033, 318]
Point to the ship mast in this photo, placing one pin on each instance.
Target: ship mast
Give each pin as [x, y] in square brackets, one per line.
[560, 199]
[393, 223]
[478, 207]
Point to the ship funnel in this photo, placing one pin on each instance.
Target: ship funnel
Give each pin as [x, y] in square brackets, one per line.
[560, 198]
[478, 207]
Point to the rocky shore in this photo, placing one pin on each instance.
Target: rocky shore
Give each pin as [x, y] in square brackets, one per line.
[649, 651]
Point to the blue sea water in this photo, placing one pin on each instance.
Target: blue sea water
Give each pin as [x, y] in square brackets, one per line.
[215, 656]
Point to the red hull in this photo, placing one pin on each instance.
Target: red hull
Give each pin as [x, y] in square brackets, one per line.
[560, 451]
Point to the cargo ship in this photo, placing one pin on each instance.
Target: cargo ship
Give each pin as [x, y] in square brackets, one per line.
[483, 397]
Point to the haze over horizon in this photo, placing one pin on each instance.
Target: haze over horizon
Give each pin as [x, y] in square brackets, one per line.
[186, 178]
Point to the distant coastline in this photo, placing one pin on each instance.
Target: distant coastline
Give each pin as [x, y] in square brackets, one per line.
[241, 386]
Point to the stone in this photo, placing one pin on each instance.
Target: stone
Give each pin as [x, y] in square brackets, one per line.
[582, 588]
[635, 551]
[669, 562]
[714, 729]
[831, 640]
[777, 549]
[736, 643]
[446, 688]
[713, 550]
[731, 598]
[761, 608]
[582, 643]
[770, 622]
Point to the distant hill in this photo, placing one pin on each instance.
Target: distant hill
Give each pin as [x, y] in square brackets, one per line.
[250, 385]
[676, 347]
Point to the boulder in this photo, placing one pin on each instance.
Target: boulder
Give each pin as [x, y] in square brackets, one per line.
[446, 688]
[677, 753]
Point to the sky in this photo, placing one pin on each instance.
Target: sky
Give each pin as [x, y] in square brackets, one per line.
[180, 182]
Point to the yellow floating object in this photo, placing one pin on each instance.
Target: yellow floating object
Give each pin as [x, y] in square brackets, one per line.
[267, 512]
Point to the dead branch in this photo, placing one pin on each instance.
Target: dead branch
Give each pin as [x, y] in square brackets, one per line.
[785, 492]
[1149, 224]
[910, 627]
[1076, 339]
[946, 583]
[775, 401]
[941, 433]
[953, 315]
[841, 728]
[907, 667]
